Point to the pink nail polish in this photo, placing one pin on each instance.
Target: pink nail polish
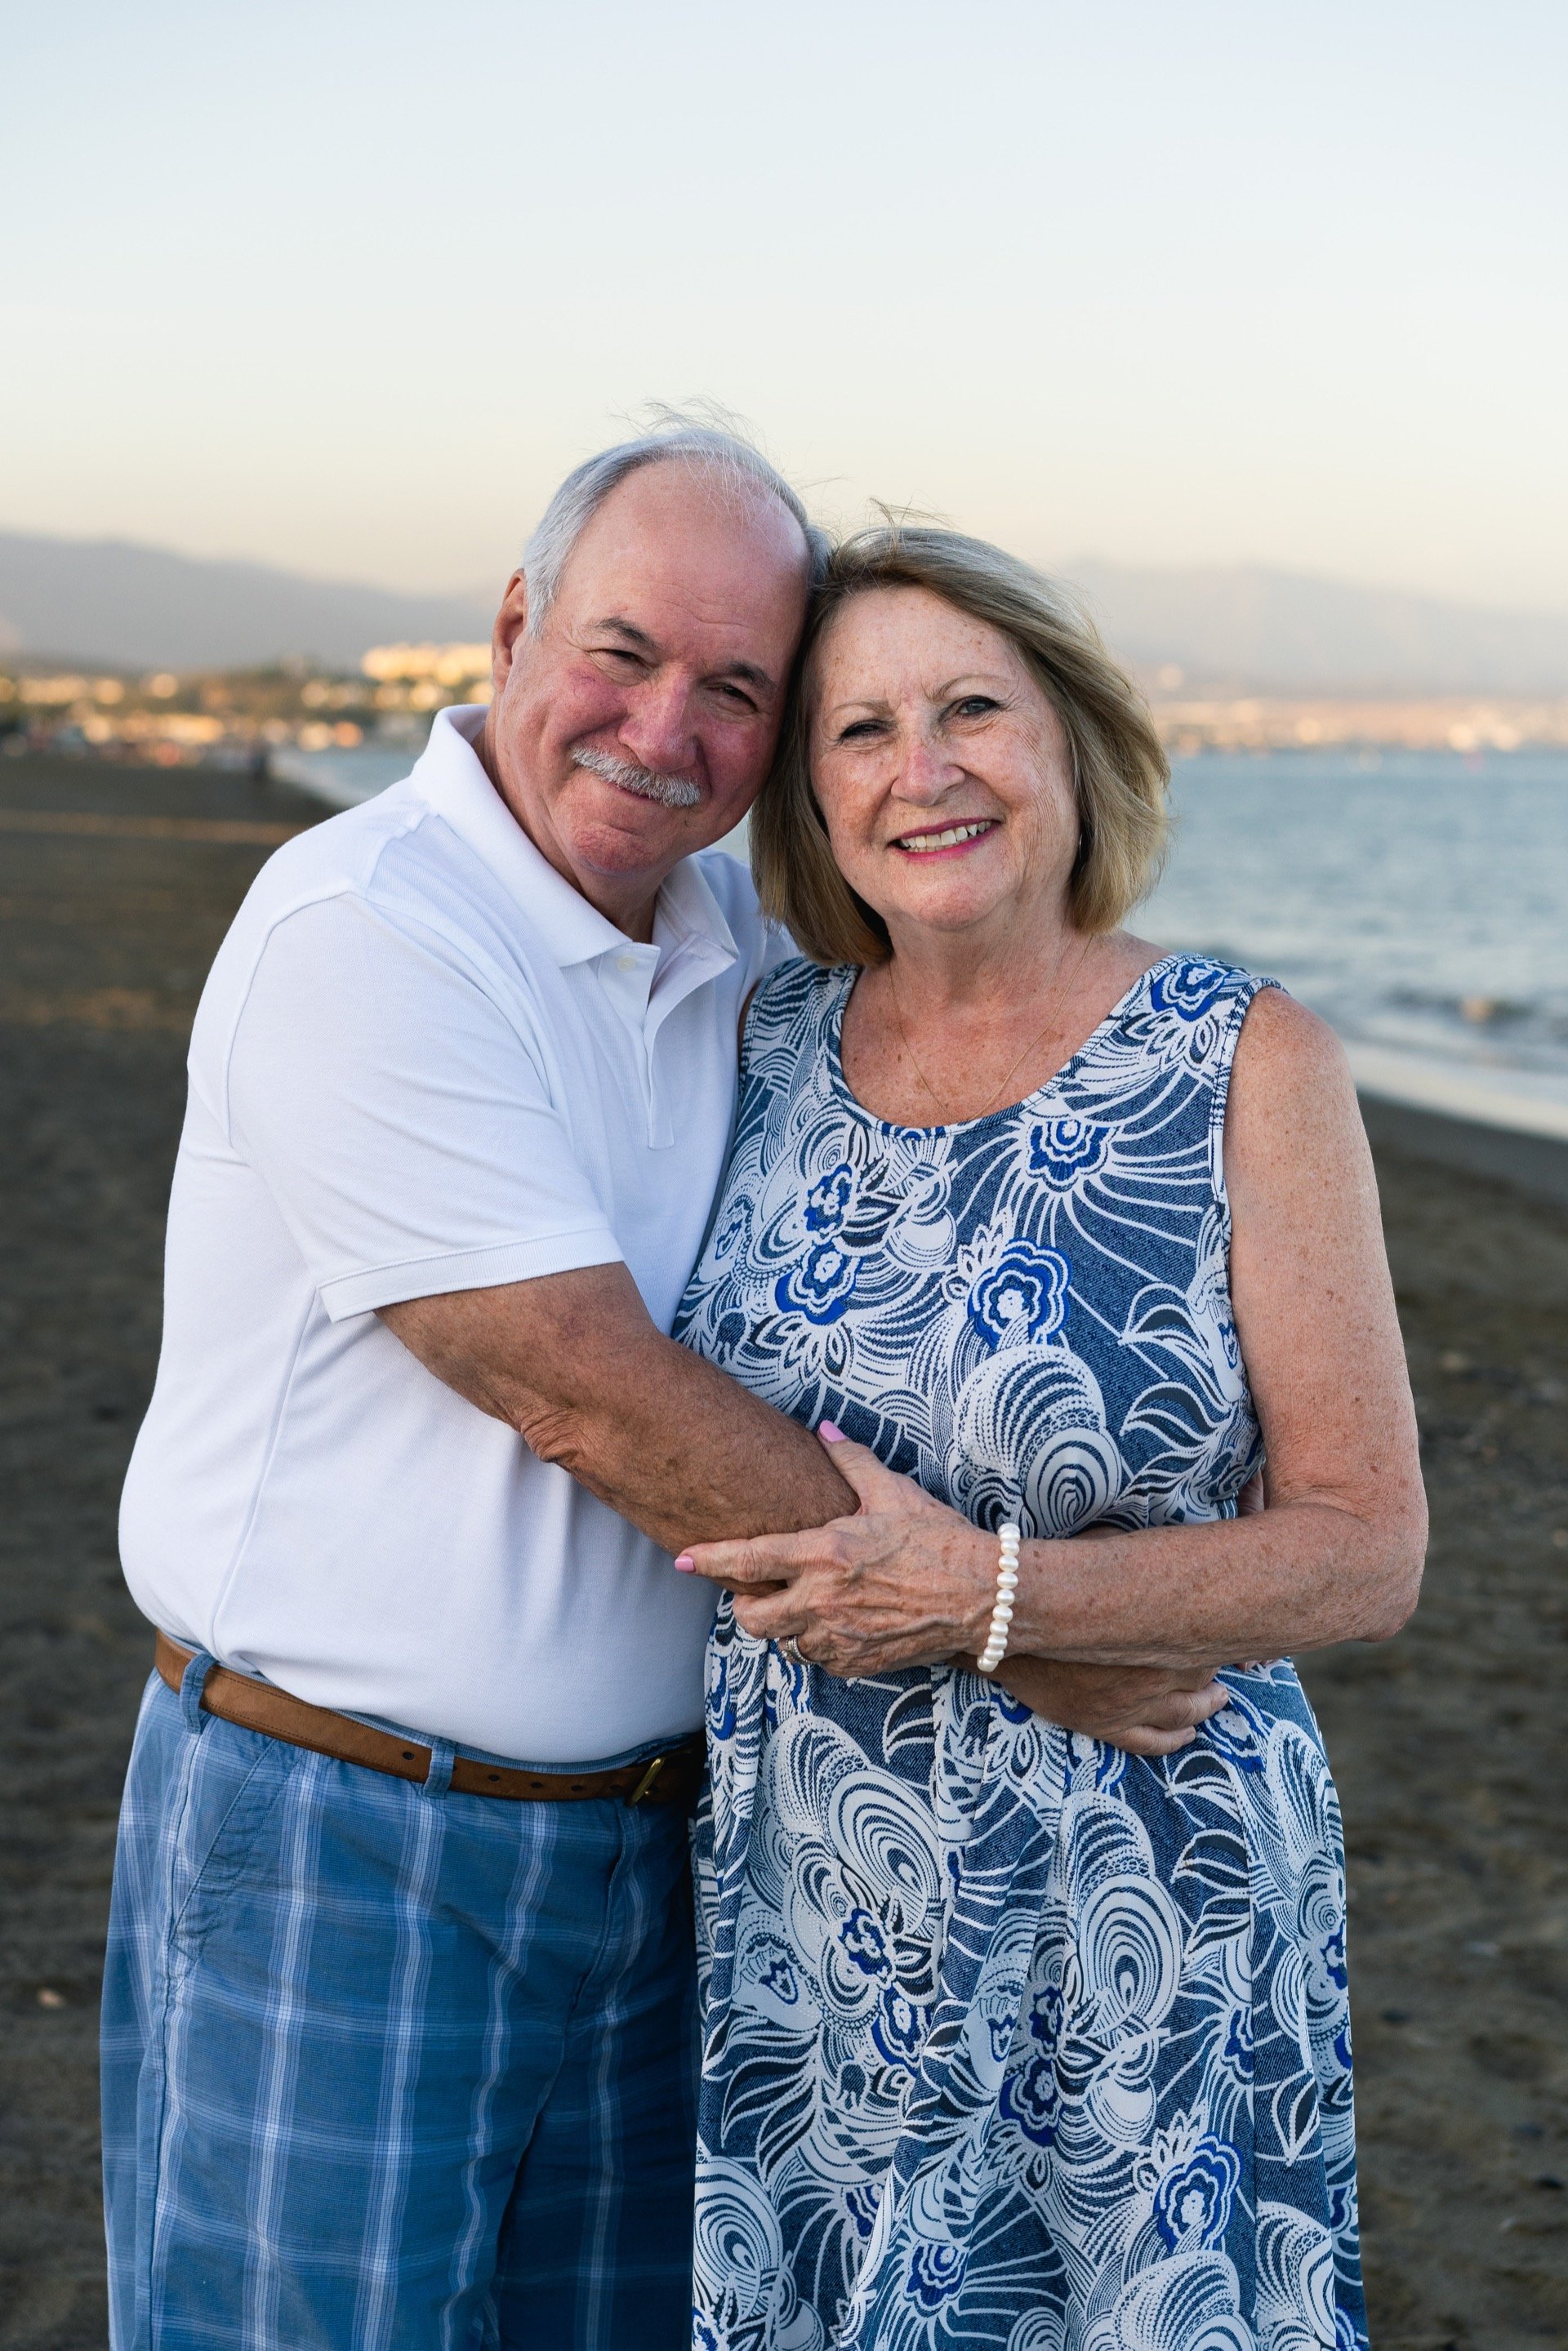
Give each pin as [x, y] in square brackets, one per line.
[829, 1432]
[686, 1565]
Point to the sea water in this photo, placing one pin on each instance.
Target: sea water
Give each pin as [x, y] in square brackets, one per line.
[1418, 900]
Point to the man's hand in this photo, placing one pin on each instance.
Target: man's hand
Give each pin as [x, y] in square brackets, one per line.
[1143, 1709]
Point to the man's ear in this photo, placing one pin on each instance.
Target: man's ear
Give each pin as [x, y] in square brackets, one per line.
[510, 623]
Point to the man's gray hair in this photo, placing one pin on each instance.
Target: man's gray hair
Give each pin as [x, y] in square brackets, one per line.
[704, 439]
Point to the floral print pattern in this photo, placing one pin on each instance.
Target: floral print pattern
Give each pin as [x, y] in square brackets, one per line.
[1010, 2039]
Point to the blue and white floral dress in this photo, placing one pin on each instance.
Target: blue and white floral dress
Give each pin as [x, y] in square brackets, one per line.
[1010, 2039]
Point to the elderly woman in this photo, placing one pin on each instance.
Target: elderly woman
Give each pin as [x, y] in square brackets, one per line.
[1011, 2036]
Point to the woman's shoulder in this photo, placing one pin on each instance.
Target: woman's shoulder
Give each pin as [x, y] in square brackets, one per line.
[1179, 1021]
[1190, 1007]
[1185, 984]
[788, 1041]
[1285, 1043]
[796, 994]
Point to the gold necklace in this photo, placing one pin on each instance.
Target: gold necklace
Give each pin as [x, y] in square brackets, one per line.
[1056, 1004]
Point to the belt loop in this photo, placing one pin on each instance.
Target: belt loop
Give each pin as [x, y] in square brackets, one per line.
[438, 1779]
[192, 1682]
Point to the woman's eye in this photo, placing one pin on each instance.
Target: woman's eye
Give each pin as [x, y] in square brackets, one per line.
[860, 731]
[976, 705]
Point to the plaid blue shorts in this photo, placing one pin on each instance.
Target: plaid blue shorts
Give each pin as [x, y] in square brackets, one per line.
[386, 2069]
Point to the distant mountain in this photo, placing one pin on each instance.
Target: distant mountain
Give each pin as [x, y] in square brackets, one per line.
[1249, 628]
[136, 607]
[1241, 627]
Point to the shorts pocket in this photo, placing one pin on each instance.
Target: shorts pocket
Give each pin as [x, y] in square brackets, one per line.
[236, 1779]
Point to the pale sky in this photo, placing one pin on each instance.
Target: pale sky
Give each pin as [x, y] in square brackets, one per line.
[348, 287]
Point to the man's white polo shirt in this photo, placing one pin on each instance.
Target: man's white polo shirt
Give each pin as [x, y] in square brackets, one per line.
[423, 1063]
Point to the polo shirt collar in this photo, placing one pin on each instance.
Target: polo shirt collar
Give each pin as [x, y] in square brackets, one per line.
[692, 914]
[452, 780]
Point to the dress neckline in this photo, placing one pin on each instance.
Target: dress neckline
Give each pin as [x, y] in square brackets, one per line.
[833, 1038]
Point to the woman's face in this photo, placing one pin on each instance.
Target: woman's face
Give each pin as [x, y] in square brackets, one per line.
[941, 769]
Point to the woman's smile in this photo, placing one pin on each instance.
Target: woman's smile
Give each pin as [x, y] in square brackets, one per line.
[952, 841]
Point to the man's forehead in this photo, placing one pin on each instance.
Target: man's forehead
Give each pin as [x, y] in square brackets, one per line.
[670, 532]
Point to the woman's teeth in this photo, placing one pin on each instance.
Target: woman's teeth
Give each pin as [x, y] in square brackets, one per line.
[917, 843]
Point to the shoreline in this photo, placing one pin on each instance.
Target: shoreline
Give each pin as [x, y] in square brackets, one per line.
[1496, 1097]
[1534, 1164]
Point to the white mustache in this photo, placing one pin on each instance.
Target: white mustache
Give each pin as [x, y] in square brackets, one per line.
[670, 792]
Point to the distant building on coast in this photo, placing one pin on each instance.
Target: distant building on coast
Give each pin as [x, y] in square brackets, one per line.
[235, 717]
[1449, 723]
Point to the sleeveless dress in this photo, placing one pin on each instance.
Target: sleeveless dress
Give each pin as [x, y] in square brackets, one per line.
[1010, 2039]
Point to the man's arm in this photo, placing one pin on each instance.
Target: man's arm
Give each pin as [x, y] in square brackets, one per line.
[574, 1363]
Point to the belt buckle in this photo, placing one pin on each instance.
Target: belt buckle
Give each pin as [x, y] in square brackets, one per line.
[647, 1780]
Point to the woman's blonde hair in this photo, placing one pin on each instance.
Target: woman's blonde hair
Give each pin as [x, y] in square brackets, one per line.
[1119, 767]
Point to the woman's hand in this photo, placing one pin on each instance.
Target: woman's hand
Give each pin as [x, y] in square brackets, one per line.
[909, 1581]
[905, 1582]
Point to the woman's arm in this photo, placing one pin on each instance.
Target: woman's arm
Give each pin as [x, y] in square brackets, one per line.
[1337, 1555]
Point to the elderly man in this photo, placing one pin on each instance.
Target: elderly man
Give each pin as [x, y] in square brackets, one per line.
[397, 2034]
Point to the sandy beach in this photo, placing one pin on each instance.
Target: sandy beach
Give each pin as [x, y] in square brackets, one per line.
[1449, 1744]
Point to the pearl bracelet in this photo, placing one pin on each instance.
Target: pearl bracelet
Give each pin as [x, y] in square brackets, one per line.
[1010, 1535]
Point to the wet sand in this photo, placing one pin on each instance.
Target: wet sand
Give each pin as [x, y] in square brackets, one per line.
[1449, 1745]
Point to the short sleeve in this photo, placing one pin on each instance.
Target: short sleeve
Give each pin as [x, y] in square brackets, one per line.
[400, 1118]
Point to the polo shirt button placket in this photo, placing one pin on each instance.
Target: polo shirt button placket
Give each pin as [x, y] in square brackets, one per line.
[627, 963]
[649, 1042]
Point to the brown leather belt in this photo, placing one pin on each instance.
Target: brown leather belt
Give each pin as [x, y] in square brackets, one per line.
[672, 1777]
